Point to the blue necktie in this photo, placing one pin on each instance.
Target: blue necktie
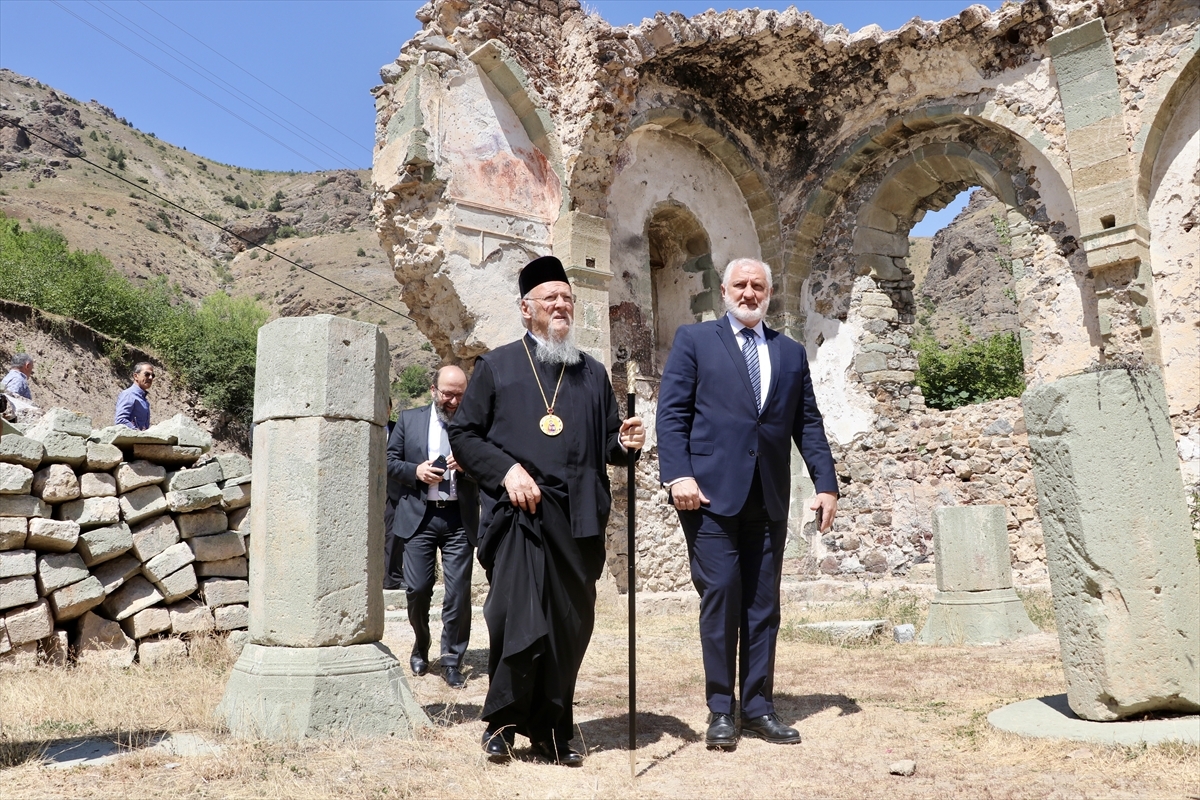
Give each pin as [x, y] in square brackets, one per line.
[750, 353]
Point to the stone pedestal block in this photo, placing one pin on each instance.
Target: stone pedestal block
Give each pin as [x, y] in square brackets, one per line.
[55, 536]
[92, 512]
[970, 545]
[137, 474]
[316, 575]
[71, 601]
[143, 503]
[320, 366]
[102, 457]
[984, 617]
[1119, 549]
[290, 693]
[15, 479]
[975, 603]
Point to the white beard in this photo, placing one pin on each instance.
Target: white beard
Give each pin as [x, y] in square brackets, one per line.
[563, 351]
[744, 315]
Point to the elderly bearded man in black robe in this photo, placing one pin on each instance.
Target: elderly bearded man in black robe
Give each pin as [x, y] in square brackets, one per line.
[536, 427]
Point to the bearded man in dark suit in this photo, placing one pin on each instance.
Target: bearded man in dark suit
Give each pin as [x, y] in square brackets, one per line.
[437, 508]
[734, 396]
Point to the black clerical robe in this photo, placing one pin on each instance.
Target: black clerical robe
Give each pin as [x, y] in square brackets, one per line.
[542, 569]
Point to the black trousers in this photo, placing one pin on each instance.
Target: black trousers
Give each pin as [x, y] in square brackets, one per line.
[737, 565]
[393, 550]
[441, 528]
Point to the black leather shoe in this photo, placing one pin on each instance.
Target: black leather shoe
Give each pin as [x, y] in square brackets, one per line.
[454, 678]
[557, 754]
[419, 664]
[721, 734]
[771, 729]
[498, 746]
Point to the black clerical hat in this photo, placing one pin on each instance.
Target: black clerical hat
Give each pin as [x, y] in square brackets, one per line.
[541, 270]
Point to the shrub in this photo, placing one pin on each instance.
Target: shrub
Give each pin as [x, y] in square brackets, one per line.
[276, 202]
[286, 232]
[968, 371]
[211, 348]
[361, 252]
[414, 380]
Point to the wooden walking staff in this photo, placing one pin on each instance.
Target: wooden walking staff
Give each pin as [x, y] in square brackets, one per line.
[631, 490]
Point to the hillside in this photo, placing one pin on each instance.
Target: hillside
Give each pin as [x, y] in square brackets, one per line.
[322, 219]
[81, 369]
[962, 274]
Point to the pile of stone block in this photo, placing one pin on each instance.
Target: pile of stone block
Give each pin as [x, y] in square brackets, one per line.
[114, 543]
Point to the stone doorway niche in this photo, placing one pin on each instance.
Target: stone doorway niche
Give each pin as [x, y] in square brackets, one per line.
[870, 289]
[685, 286]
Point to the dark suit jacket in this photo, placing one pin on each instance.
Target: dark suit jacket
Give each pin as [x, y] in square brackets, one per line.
[709, 426]
[408, 447]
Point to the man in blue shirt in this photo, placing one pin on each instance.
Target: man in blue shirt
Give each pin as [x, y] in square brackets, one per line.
[16, 382]
[133, 406]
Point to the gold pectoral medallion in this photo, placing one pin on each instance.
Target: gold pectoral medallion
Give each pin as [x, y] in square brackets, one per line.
[551, 425]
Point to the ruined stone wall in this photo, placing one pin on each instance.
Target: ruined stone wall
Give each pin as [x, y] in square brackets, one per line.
[508, 129]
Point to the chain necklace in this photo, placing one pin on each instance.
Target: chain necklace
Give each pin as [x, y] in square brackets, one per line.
[550, 424]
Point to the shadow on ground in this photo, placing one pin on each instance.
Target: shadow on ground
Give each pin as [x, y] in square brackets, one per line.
[793, 708]
[77, 751]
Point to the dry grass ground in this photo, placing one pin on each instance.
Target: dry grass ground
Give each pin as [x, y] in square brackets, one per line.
[858, 708]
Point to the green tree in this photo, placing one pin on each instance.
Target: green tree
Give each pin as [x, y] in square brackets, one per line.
[969, 371]
[414, 380]
[211, 347]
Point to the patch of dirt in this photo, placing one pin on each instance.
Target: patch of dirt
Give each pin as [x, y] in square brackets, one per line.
[859, 709]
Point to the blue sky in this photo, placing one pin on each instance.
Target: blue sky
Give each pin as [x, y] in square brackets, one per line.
[278, 85]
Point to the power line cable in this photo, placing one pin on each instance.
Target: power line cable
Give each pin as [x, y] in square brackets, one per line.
[179, 80]
[76, 154]
[221, 83]
[188, 33]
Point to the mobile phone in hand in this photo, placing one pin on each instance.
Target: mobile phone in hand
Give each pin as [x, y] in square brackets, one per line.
[440, 463]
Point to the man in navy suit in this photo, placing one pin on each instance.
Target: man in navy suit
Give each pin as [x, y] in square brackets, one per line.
[734, 395]
[437, 507]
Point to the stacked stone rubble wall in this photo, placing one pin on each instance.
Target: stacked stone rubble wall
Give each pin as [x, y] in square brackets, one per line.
[116, 544]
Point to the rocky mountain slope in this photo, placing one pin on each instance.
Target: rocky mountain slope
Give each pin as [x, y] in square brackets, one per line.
[963, 274]
[320, 220]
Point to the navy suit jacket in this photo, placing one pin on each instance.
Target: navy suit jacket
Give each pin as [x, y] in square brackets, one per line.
[709, 426]
[408, 448]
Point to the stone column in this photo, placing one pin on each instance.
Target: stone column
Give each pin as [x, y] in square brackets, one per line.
[1119, 547]
[975, 602]
[582, 243]
[314, 665]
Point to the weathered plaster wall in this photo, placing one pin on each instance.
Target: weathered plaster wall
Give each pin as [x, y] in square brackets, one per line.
[655, 170]
[1175, 253]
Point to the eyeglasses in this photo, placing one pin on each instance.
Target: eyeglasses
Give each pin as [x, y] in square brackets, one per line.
[449, 395]
[554, 299]
[148, 375]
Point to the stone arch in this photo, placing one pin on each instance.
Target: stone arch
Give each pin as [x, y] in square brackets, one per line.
[674, 211]
[706, 133]
[1169, 197]
[685, 285]
[1160, 111]
[847, 265]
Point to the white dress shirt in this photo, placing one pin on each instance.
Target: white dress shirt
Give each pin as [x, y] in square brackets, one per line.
[439, 445]
[764, 356]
